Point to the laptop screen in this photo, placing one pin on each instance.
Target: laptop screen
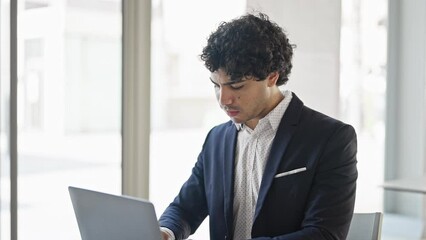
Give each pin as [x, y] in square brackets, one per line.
[103, 216]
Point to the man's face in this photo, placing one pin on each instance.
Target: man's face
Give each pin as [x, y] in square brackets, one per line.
[246, 100]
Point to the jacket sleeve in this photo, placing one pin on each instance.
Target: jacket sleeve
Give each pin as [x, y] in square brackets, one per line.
[331, 200]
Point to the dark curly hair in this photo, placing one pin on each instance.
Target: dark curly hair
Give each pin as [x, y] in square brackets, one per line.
[249, 46]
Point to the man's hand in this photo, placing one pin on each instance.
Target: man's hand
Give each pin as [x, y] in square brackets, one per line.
[165, 235]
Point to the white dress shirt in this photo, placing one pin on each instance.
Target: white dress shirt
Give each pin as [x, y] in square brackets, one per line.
[252, 152]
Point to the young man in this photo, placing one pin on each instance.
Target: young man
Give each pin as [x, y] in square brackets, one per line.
[276, 170]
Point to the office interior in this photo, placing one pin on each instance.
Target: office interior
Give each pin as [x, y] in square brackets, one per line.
[111, 95]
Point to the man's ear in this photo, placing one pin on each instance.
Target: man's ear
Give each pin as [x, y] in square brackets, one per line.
[272, 78]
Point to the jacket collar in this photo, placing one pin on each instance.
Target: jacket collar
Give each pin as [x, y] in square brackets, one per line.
[285, 132]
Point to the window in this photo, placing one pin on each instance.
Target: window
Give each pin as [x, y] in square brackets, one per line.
[5, 206]
[69, 111]
[183, 102]
[362, 92]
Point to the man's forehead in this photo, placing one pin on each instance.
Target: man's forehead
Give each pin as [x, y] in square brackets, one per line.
[221, 77]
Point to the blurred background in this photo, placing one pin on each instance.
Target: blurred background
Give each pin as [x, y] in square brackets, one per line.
[72, 63]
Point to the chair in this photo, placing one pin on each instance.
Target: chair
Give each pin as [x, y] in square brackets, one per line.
[365, 226]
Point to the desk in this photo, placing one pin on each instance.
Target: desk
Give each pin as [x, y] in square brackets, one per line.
[415, 185]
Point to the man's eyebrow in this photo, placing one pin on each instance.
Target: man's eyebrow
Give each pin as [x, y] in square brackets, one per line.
[227, 83]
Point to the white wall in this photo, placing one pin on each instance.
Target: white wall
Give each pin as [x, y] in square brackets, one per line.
[314, 26]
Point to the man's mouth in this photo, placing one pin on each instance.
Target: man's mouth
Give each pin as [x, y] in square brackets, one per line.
[232, 113]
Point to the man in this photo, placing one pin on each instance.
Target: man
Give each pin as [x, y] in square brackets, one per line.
[278, 169]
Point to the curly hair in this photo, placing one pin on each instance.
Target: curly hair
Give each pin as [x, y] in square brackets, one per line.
[249, 46]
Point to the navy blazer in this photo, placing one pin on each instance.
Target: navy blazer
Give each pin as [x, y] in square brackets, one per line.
[315, 204]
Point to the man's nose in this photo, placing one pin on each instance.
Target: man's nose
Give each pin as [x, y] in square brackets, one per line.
[225, 96]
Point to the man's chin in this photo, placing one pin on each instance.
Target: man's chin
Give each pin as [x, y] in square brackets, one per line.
[237, 121]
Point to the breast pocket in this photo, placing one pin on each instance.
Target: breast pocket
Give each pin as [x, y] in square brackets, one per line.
[292, 184]
[291, 172]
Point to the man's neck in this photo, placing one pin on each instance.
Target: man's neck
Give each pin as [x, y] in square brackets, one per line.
[275, 100]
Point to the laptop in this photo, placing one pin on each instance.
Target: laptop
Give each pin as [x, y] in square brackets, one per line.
[102, 216]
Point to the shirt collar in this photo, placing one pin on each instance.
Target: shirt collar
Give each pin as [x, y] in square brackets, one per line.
[239, 126]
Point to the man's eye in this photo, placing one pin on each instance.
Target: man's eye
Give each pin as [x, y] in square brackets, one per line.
[236, 86]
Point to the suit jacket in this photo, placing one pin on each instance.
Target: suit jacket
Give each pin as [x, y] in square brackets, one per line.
[316, 203]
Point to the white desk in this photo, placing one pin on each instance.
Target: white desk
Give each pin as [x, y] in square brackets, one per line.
[415, 185]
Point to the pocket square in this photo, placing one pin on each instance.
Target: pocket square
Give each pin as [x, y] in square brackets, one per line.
[297, 170]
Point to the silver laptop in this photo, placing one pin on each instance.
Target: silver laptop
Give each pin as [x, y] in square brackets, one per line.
[103, 216]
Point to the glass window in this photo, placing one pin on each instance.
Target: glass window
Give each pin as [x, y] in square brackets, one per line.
[183, 104]
[362, 92]
[4, 119]
[69, 110]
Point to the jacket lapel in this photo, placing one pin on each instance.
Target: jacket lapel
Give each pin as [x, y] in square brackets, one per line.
[285, 132]
[229, 142]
